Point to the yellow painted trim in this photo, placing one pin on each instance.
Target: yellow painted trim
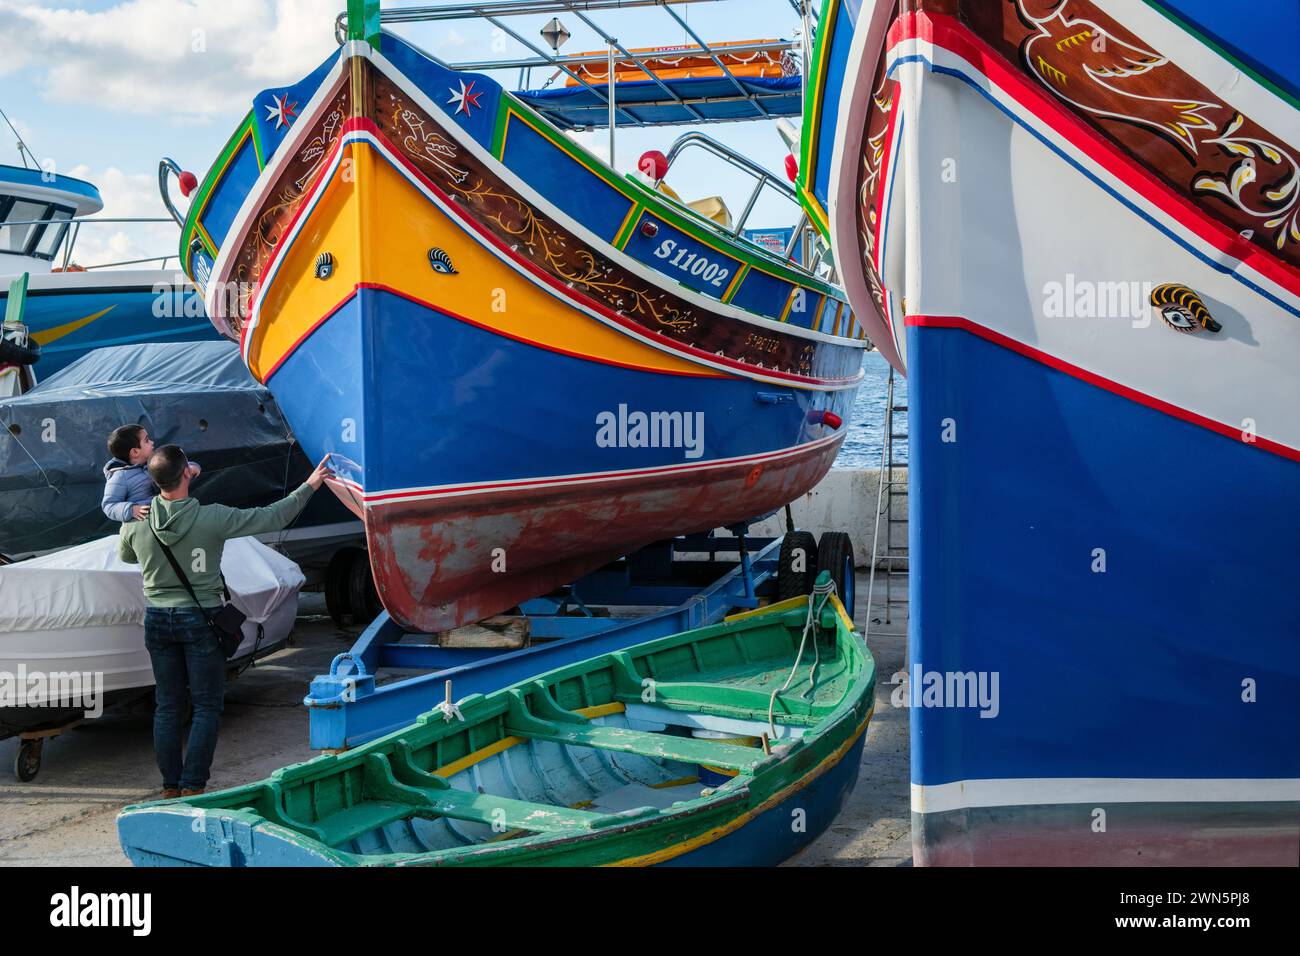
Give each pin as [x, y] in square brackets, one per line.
[839, 314]
[602, 710]
[718, 832]
[814, 113]
[789, 303]
[789, 604]
[844, 615]
[207, 239]
[478, 756]
[207, 200]
[809, 175]
[46, 336]
[736, 280]
[505, 743]
[679, 782]
[778, 278]
[815, 312]
[786, 605]
[814, 206]
[538, 130]
[624, 232]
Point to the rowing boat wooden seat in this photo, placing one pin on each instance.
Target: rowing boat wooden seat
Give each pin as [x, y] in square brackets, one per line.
[395, 789]
[740, 702]
[565, 727]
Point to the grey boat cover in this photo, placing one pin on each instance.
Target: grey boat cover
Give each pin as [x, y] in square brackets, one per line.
[53, 440]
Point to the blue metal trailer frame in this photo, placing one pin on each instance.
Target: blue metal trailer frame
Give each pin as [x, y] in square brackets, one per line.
[347, 707]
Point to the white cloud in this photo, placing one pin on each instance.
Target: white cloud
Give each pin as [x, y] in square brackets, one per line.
[9, 143]
[176, 59]
[125, 195]
[187, 62]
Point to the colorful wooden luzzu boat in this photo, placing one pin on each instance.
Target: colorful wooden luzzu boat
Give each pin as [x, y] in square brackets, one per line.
[1076, 225]
[652, 755]
[523, 363]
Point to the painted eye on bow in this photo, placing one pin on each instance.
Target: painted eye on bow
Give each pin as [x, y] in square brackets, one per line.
[324, 265]
[441, 262]
[1182, 309]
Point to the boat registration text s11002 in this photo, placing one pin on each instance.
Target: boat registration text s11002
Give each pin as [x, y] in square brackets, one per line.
[692, 263]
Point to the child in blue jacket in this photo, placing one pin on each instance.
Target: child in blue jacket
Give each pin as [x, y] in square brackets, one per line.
[128, 489]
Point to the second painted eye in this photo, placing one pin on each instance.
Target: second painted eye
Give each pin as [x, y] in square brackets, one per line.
[441, 262]
[324, 265]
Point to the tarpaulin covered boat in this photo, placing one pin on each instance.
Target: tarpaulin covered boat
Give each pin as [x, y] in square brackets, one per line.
[81, 612]
[522, 363]
[1075, 224]
[197, 394]
[735, 744]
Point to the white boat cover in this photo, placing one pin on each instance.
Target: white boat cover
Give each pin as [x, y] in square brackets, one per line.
[88, 586]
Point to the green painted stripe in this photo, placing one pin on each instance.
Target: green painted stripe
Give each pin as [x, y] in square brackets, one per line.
[1232, 58]
[499, 129]
[812, 107]
[625, 233]
[736, 283]
[204, 192]
[363, 21]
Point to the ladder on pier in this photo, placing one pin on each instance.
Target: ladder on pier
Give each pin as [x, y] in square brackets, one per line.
[889, 553]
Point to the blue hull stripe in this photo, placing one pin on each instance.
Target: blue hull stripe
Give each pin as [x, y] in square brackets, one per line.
[486, 408]
[1179, 660]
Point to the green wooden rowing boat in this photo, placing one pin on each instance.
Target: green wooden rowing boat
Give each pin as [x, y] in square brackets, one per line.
[662, 753]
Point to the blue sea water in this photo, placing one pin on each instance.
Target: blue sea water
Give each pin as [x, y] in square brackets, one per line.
[865, 439]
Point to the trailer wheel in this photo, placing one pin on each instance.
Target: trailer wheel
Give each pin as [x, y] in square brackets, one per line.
[796, 571]
[362, 595]
[28, 762]
[338, 597]
[835, 554]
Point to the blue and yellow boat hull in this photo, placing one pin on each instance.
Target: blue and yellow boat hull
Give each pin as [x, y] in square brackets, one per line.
[513, 395]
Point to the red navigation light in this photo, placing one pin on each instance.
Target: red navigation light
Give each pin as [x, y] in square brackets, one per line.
[188, 182]
[792, 168]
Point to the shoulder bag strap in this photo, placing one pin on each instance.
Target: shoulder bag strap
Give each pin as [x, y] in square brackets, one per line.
[176, 566]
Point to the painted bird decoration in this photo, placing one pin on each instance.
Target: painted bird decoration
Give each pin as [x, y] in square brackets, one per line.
[1104, 71]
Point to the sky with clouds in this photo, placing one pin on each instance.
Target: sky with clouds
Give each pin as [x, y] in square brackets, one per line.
[104, 89]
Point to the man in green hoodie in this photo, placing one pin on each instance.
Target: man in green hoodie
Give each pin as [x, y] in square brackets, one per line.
[185, 652]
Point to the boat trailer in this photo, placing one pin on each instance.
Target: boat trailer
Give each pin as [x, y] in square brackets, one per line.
[667, 585]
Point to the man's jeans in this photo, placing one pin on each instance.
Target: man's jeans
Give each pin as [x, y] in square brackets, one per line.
[185, 654]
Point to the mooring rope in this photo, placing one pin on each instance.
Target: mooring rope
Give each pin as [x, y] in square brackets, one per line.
[824, 592]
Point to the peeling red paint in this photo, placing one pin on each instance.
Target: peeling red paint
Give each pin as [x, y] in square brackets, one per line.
[433, 558]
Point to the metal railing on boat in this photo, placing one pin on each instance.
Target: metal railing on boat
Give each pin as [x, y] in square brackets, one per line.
[799, 239]
[68, 241]
[804, 240]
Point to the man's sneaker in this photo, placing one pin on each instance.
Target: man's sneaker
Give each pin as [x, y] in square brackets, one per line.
[170, 793]
[192, 793]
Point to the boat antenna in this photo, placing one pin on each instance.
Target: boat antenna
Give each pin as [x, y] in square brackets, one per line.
[24, 152]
